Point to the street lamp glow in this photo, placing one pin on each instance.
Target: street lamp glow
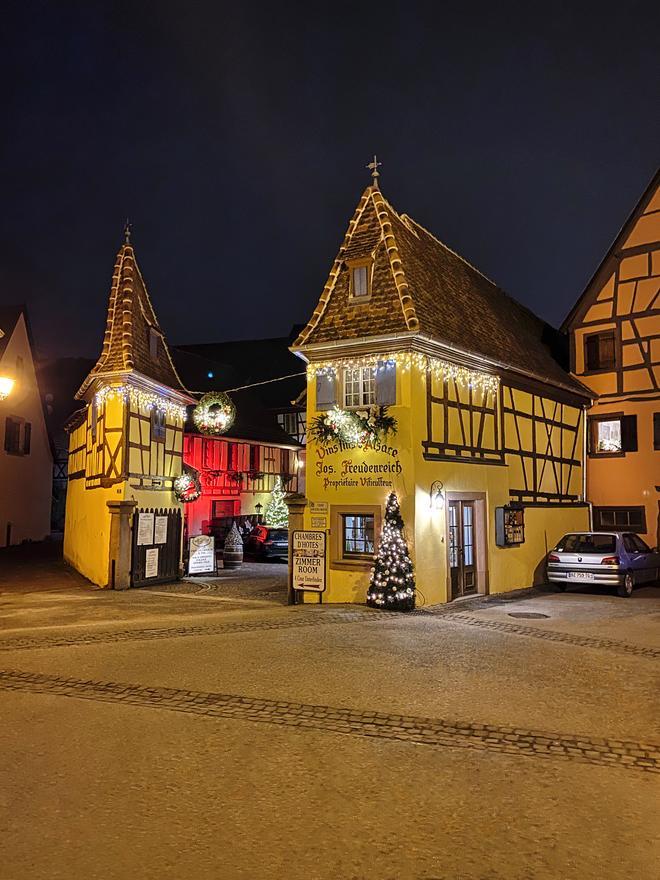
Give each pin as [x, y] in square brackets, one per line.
[6, 385]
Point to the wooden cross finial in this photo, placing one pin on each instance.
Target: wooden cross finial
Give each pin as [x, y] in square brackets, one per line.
[127, 232]
[373, 167]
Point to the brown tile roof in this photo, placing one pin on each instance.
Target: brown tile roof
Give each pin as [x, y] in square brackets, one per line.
[421, 286]
[131, 318]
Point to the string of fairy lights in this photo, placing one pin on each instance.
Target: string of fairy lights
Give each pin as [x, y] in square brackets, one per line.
[439, 369]
[138, 397]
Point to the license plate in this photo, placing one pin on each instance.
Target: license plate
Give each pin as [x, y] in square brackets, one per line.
[581, 575]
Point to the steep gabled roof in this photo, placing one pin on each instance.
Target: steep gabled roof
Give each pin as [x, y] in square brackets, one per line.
[422, 287]
[623, 240]
[131, 318]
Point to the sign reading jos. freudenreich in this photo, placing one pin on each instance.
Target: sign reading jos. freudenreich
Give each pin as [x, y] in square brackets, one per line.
[308, 561]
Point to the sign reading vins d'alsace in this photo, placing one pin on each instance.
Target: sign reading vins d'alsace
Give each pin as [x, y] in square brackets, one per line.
[308, 561]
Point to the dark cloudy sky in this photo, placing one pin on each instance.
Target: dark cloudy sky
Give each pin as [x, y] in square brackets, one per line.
[235, 136]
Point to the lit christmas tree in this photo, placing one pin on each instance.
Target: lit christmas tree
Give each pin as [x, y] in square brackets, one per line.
[276, 512]
[392, 583]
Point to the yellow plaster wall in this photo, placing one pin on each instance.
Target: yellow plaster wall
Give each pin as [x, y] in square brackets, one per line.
[87, 529]
[426, 529]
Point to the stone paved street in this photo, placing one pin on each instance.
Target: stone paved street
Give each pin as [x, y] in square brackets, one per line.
[207, 730]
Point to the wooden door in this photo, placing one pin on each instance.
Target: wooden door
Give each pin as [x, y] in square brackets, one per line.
[462, 549]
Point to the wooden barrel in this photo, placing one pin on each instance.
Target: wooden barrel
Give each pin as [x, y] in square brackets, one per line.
[232, 556]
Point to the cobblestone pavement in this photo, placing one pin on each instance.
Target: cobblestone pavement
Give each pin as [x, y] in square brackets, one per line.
[628, 755]
[203, 730]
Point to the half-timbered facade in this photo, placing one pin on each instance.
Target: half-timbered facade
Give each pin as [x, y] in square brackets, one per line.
[615, 349]
[126, 443]
[487, 458]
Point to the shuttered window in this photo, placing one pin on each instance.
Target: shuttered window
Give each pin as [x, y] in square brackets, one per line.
[326, 390]
[12, 436]
[599, 352]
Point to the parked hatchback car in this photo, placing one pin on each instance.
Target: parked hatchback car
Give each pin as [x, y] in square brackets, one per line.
[617, 559]
[267, 542]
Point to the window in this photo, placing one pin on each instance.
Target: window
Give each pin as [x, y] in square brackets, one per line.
[359, 386]
[587, 544]
[631, 519]
[27, 437]
[232, 456]
[158, 425]
[359, 282]
[357, 535]
[613, 435]
[656, 430]
[254, 458]
[13, 436]
[599, 353]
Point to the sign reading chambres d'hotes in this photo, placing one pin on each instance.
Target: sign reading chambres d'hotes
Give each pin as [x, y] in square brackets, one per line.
[308, 561]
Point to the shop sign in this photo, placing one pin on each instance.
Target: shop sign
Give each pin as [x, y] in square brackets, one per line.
[201, 555]
[339, 471]
[308, 561]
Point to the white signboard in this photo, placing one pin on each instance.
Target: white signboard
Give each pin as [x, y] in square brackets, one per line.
[201, 558]
[160, 530]
[145, 533]
[151, 563]
[308, 561]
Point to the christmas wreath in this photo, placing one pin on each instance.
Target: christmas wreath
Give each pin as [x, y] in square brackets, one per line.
[215, 413]
[187, 486]
[352, 428]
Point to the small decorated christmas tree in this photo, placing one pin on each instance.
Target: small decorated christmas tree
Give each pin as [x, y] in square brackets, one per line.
[392, 583]
[276, 512]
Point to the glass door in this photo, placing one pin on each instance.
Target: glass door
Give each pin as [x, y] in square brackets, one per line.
[462, 549]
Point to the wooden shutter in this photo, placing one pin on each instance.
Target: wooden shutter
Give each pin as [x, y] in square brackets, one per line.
[326, 391]
[629, 434]
[386, 383]
[27, 436]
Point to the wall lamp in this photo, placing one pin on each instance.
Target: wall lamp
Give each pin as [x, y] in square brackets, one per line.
[6, 386]
[437, 495]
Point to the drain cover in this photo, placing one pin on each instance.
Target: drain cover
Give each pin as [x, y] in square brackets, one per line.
[528, 615]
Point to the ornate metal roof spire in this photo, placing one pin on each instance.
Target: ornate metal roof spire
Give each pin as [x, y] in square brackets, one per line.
[373, 167]
[127, 232]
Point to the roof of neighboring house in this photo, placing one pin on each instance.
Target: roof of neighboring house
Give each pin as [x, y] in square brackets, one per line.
[131, 318]
[245, 362]
[421, 287]
[618, 244]
[9, 316]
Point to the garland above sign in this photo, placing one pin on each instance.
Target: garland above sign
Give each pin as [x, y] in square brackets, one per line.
[405, 359]
[215, 413]
[352, 428]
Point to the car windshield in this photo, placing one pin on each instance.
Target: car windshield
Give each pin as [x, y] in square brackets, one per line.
[587, 544]
[278, 535]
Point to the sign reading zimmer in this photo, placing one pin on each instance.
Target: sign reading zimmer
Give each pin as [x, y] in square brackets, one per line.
[308, 561]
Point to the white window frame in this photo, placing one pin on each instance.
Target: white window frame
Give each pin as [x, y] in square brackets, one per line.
[359, 389]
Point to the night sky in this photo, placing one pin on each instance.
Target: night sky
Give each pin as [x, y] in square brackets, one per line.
[235, 136]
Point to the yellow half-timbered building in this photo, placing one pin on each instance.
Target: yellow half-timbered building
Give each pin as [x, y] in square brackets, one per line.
[487, 458]
[615, 349]
[126, 444]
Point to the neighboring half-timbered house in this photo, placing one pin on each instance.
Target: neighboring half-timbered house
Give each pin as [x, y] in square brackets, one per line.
[487, 459]
[126, 444]
[615, 349]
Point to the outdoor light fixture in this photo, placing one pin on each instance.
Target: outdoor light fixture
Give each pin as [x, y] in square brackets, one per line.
[258, 507]
[6, 385]
[437, 495]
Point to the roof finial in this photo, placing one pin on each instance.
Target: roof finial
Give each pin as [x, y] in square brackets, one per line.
[127, 232]
[373, 166]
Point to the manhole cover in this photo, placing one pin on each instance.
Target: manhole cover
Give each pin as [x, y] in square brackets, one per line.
[528, 615]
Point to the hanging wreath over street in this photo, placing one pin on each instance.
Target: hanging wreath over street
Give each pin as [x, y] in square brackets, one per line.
[352, 428]
[187, 486]
[215, 413]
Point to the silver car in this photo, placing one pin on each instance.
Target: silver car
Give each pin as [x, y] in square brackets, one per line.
[617, 559]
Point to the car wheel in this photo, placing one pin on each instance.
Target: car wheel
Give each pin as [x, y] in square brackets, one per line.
[626, 588]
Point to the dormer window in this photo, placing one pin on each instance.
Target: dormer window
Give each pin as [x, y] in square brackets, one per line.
[360, 285]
